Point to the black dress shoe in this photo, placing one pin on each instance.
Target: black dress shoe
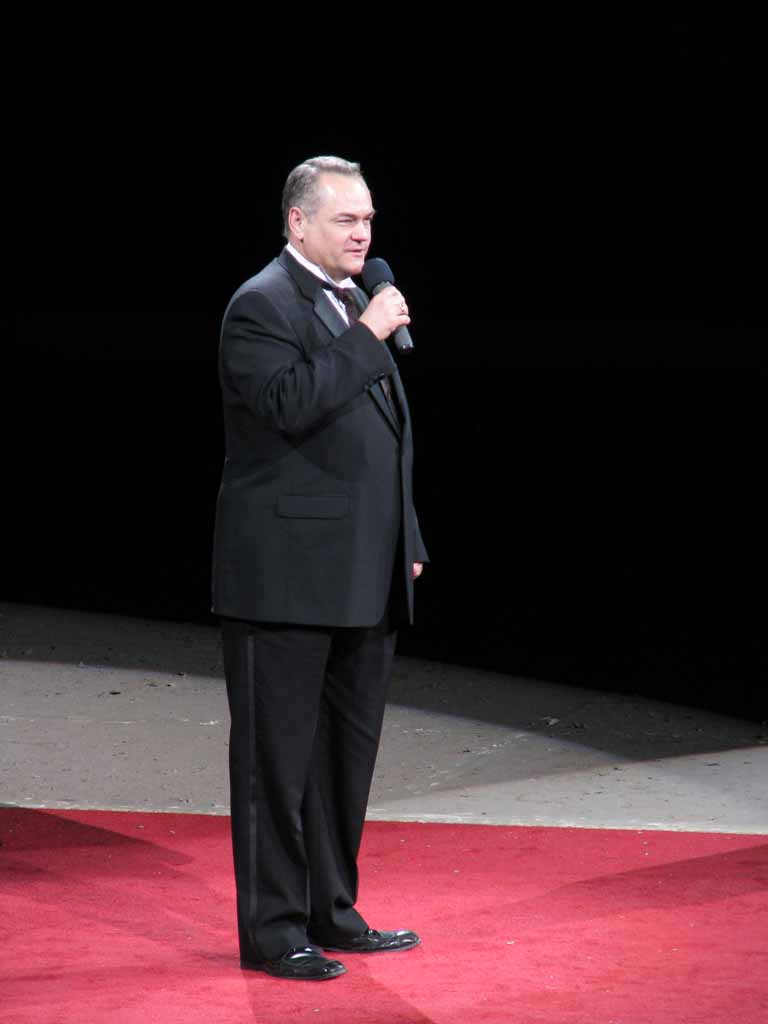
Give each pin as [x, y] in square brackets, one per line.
[305, 963]
[372, 941]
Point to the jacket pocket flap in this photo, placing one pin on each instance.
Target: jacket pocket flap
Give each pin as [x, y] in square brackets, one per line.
[313, 506]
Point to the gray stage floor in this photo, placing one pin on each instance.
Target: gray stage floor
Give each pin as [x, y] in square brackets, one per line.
[110, 712]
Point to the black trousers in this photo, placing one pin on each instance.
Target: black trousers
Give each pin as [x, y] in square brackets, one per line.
[306, 705]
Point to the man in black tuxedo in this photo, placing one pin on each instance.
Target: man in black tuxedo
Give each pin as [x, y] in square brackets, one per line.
[315, 552]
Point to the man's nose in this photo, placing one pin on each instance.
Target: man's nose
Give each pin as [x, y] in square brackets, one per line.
[362, 230]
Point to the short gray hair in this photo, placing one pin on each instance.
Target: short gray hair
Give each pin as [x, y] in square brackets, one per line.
[301, 184]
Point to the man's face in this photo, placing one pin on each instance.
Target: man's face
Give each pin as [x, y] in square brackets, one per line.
[338, 235]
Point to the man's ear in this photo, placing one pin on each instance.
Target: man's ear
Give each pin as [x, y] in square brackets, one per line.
[296, 222]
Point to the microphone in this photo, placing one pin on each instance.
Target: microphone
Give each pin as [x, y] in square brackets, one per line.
[377, 274]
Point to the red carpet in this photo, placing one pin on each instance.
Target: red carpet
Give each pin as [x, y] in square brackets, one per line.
[117, 917]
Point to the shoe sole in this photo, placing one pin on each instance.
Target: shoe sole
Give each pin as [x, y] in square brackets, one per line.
[291, 977]
[384, 949]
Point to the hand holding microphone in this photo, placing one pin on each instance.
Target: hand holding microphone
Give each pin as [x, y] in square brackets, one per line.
[387, 312]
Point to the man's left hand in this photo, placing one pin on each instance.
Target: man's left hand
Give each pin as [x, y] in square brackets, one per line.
[418, 569]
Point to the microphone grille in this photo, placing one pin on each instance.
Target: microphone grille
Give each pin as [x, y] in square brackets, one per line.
[375, 272]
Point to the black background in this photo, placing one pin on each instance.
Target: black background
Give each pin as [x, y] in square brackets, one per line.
[573, 211]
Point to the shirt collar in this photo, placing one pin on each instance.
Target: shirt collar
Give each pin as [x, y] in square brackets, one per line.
[318, 271]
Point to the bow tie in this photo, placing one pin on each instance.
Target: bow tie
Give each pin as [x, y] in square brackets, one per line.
[344, 295]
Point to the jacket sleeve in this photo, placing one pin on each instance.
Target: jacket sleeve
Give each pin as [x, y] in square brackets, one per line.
[284, 385]
[420, 553]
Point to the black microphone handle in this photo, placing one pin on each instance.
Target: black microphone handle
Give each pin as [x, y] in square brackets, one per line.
[401, 336]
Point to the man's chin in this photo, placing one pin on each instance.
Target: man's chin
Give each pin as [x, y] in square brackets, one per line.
[354, 265]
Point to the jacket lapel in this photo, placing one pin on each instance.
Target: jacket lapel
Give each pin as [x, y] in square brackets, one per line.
[311, 287]
[400, 401]
[377, 394]
[331, 319]
[377, 391]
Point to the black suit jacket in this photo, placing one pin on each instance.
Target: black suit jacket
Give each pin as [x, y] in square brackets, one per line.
[315, 515]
